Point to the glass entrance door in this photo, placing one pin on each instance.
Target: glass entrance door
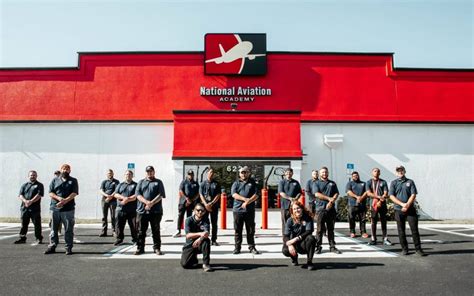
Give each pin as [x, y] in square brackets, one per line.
[267, 173]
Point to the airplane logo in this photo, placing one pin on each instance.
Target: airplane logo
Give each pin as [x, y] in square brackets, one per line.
[238, 54]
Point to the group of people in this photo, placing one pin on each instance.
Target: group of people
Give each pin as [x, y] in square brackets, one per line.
[140, 205]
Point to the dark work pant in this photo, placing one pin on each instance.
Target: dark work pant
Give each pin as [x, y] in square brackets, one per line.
[122, 218]
[142, 222]
[375, 215]
[189, 255]
[68, 220]
[184, 209]
[305, 246]
[214, 217]
[106, 207]
[325, 220]
[357, 212]
[249, 219]
[412, 217]
[25, 221]
[285, 214]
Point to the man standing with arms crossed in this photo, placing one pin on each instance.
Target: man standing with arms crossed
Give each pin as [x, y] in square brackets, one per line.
[377, 189]
[326, 195]
[403, 193]
[109, 203]
[357, 204]
[289, 190]
[309, 190]
[63, 190]
[210, 193]
[126, 208]
[188, 197]
[150, 192]
[244, 192]
[30, 195]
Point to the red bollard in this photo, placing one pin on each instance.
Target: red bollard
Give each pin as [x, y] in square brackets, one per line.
[224, 210]
[302, 198]
[278, 200]
[264, 209]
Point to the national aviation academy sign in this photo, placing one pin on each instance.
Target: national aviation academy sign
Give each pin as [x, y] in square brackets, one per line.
[235, 54]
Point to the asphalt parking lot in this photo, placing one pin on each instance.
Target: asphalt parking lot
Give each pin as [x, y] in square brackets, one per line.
[99, 268]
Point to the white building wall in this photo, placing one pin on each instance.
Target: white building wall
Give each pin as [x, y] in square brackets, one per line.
[90, 149]
[439, 158]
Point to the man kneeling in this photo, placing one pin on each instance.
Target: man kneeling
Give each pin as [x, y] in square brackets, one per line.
[197, 240]
[297, 236]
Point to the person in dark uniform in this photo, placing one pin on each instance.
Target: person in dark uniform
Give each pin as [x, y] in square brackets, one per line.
[244, 192]
[297, 237]
[309, 192]
[150, 192]
[357, 202]
[63, 190]
[403, 193]
[30, 195]
[210, 193]
[377, 189]
[126, 208]
[56, 174]
[197, 240]
[109, 203]
[188, 197]
[326, 195]
[289, 190]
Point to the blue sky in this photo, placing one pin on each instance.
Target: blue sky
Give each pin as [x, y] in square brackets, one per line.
[422, 34]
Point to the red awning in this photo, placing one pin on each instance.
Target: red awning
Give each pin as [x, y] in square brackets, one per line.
[237, 135]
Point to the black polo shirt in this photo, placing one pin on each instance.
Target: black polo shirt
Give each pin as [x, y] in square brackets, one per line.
[127, 190]
[190, 189]
[108, 187]
[150, 189]
[358, 187]
[377, 187]
[291, 188]
[30, 190]
[328, 188]
[192, 226]
[309, 189]
[402, 189]
[293, 229]
[209, 189]
[63, 188]
[246, 189]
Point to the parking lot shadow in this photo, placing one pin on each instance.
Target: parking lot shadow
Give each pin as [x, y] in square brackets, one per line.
[344, 265]
[244, 266]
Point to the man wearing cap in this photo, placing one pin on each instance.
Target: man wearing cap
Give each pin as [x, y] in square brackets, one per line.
[244, 192]
[126, 208]
[197, 240]
[289, 190]
[150, 192]
[377, 189]
[210, 194]
[30, 195]
[326, 193]
[109, 203]
[403, 193]
[357, 202]
[309, 190]
[188, 197]
[63, 190]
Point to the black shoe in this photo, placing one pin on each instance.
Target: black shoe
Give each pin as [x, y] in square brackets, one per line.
[372, 243]
[311, 266]
[159, 252]
[215, 244]
[118, 242]
[335, 250]
[319, 250]
[21, 240]
[236, 251]
[103, 234]
[420, 253]
[50, 250]
[294, 262]
[68, 251]
[139, 252]
[254, 251]
[404, 252]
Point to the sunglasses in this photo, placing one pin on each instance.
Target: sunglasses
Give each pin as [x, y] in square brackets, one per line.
[199, 210]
